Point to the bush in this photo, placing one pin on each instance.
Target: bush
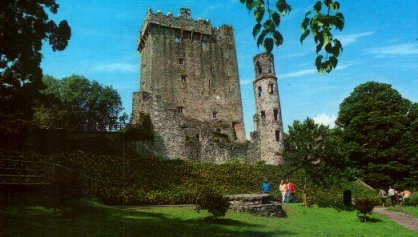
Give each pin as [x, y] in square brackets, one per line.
[412, 200]
[215, 203]
[144, 130]
[365, 206]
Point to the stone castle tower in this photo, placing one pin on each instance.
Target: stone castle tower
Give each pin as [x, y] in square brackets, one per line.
[268, 118]
[189, 84]
[189, 87]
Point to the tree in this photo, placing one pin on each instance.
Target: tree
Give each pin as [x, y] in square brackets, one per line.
[312, 149]
[320, 21]
[77, 103]
[24, 25]
[379, 134]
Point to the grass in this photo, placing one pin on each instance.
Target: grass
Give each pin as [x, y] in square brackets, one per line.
[90, 218]
[410, 210]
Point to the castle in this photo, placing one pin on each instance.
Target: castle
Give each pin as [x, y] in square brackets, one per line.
[189, 86]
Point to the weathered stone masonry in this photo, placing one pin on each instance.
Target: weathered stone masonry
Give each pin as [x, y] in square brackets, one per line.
[190, 88]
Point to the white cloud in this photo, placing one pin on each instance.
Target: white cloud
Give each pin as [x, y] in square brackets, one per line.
[325, 120]
[116, 67]
[305, 72]
[396, 50]
[245, 82]
[298, 73]
[352, 38]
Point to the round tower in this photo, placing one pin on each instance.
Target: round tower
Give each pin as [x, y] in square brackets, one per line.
[268, 118]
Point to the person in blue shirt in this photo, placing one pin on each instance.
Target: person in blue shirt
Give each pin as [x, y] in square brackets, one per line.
[265, 186]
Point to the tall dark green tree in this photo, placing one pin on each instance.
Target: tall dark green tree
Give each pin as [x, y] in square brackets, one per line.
[312, 150]
[378, 130]
[24, 25]
[77, 103]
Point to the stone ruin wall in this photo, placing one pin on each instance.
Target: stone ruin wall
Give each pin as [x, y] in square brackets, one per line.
[190, 88]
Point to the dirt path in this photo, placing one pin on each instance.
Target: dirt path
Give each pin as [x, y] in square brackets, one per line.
[399, 217]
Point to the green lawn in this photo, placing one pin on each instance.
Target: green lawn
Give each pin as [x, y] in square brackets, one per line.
[93, 219]
[410, 210]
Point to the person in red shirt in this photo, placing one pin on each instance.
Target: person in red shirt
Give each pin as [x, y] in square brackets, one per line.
[291, 189]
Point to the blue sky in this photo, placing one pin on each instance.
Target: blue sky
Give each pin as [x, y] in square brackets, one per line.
[380, 41]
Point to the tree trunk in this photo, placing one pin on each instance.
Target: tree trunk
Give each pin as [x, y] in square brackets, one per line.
[304, 199]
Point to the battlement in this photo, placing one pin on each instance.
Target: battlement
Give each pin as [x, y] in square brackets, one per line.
[182, 22]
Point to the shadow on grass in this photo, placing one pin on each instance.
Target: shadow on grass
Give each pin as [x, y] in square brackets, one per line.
[369, 219]
[138, 223]
[93, 219]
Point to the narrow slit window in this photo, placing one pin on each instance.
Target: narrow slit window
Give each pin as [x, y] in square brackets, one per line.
[181, 61]
[260, 91]
[180, 110]
[275, 113]
[184, 78]
[263, 115]
[271, 89]
[214, 114]
[277, 135]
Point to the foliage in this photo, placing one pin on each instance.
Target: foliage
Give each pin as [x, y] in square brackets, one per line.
[77, 103]
[144, 130]
[131, 180]
[24, 25]
[412, 200]
[365, 206]
[312, 149]
[321, 21]
[215, 203]
[95, 219]
[378, 132]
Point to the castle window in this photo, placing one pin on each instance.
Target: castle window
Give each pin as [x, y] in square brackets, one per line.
[181, 61]
[184, 78]
[260, 91]
[226, 55]
[271, 88]
[180, 110]
[209, 82]
[214, 114]
[178, 39]
[263, 115]
[277, 135]
[258, 67]
[275, 113]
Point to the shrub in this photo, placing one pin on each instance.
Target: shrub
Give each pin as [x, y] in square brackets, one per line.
[215, 203]
[365, 206]
[412, 200]
[144, 130]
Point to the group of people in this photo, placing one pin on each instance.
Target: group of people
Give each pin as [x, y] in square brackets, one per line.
[394, 195]
[287, 189]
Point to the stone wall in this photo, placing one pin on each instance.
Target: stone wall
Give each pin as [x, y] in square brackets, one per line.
[190, 88]
[194, 70]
